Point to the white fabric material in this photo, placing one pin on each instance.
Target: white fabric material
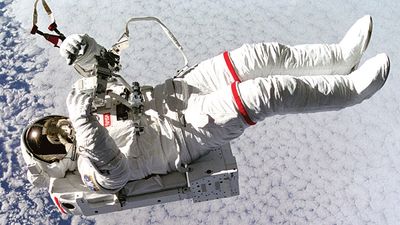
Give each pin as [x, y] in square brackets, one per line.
[286, 94]
[39, 172]
[155, 151]
[264, 59]
[277, 79]
[95, 144]
[213, 118]
[107, 179]
[40, 175]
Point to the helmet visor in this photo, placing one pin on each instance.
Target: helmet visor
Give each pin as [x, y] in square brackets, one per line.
[44, 144]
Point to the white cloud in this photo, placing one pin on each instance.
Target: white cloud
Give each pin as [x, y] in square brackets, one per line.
[326, 168]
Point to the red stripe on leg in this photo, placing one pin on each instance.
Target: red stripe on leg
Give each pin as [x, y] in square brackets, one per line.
[239, 104]
[228, 62]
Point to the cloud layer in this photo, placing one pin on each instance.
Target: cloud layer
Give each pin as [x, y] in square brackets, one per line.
[325, 168]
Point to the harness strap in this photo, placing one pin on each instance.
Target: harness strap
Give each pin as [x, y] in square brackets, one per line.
[46, 8]
[54, 39]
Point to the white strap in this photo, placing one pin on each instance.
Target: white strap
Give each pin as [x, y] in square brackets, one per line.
[46, 8]
[123, 41]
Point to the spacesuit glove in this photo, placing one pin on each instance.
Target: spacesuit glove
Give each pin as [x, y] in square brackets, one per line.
[63, 140]
[79, 106]
[69, 147]
[66, 129]
[80, 50]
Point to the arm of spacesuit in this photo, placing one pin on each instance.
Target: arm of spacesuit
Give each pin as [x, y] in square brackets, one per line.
[39, 172]
[101, 164]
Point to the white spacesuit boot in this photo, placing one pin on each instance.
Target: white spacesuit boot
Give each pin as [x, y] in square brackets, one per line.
[365, 82]
[274, 95]
[356, 40]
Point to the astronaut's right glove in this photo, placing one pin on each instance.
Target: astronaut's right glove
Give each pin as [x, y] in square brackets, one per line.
[79, 106]
[80, 49]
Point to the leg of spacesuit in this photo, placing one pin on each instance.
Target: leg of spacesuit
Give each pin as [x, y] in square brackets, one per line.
[264, 97]
[217, 118]
[264, 59]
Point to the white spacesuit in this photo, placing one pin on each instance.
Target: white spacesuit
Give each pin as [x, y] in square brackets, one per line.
[213, 103]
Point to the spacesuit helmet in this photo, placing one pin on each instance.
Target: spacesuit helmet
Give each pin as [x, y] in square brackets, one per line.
[46, 139]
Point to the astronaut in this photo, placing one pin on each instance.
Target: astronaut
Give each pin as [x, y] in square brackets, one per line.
[209, 106]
